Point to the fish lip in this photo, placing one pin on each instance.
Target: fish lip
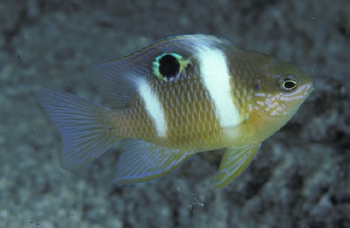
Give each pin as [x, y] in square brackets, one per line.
[304, 91]
[310, 87]
[307, 90]
[313, 85]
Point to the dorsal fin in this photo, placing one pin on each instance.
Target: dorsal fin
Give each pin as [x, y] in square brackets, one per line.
[116, 78]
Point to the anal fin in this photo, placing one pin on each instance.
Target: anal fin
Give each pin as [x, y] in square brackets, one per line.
[141, 161]
[234, 162]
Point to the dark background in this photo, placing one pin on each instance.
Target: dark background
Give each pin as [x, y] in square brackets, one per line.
[300, 177]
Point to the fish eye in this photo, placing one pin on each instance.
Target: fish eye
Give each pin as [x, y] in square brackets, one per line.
[288, 83]
[167, 66]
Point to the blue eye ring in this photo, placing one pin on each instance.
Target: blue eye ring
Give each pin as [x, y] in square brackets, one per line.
[168, 66]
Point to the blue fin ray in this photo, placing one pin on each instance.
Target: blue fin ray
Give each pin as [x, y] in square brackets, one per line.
[234, 162]
[81, 124]
[141, 161]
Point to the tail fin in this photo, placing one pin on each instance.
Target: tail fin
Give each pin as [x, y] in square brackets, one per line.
[83, 126]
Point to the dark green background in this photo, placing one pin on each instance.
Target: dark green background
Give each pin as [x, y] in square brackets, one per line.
[300, 178]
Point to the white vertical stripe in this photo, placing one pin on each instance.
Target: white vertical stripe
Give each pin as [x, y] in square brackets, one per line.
[153, 107]
[216, 78]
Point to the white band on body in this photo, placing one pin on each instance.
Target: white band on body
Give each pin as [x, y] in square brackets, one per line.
[216, 78]
[153, 107]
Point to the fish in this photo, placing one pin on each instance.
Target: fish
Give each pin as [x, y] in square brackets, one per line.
[175, 98]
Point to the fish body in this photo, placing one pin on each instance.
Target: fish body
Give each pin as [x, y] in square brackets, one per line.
[175, 98]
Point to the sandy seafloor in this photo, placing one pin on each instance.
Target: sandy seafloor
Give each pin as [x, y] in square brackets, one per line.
[299, 179]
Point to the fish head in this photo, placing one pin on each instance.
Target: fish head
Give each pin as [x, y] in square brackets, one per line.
[280, 87]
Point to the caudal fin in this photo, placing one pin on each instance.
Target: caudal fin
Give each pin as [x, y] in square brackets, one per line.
[83, 126]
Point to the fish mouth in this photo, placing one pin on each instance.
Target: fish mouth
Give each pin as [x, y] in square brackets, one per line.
[309, 88]
[302, 92]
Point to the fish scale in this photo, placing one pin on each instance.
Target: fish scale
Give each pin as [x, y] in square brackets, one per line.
[195, 117]
[136, 123]
[177, 97]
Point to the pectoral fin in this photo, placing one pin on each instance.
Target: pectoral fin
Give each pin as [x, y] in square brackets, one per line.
[234, 162]
[141, 161]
